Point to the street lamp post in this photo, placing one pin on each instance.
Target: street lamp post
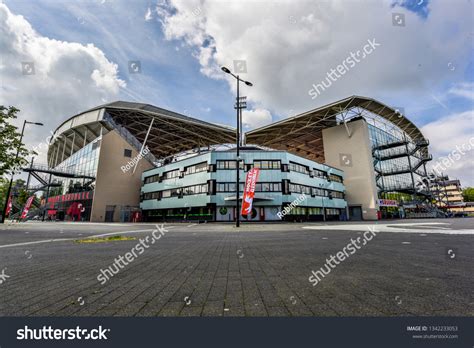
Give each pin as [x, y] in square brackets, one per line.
[239, 106]
[25, 122]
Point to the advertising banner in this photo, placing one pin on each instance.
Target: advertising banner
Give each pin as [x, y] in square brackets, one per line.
[249, 191]
[9, 205]
[388, 203]
[27, 207]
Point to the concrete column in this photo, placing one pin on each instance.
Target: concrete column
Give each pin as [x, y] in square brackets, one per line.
[353, 155]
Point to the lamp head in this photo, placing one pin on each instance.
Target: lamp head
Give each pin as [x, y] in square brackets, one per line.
[224, 69]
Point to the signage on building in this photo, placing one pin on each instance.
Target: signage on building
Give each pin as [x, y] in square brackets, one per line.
[27, 207]
[388, 203]
[71, 197]
[249, 191]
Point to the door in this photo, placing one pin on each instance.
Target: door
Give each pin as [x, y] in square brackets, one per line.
[355, 213]
[109, 213]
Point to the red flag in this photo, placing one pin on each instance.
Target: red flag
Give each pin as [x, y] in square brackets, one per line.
[249, 190]
[9, 205]
[27, 207]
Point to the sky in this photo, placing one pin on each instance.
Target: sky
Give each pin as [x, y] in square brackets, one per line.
[60, 57]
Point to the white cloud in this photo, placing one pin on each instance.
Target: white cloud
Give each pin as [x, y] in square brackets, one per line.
[148, 15]
[289, 45]
[465, 90]
[256, 118]
[68, 77]
[452, 137]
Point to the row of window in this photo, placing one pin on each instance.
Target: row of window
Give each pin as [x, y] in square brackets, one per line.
[259, 187]
[315, 191]
[299, 168]
[313, 211]
[232, 164]
[231, 187]
[264, 165]
[176, 192]
[276, 165]
[196, 168]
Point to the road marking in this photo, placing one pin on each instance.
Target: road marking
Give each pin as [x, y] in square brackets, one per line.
[397, 228]
[66, 239]
[36, 242]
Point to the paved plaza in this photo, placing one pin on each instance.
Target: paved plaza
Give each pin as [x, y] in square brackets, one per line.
[415, 267]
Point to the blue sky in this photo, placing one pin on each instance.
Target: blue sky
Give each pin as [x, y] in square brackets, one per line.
[425, 66]
[170, 78]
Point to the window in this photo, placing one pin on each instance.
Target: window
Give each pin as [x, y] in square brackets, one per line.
[194, 190]
[315, 211]
[229, 187]
[171, 174]
[186, 191]
[319, 192]
[200, 167]
[151, 179]
[268, 187]
[295, 167]
[95, 145]
[127, 153]
[319, 173]
[151, 195]
[232, 164]
[336, 178]
[332, 211]
[261, 164]
[337, 194]
[297, 188]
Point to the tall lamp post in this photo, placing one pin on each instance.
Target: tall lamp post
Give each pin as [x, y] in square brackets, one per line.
[239, 105]
[25, 122]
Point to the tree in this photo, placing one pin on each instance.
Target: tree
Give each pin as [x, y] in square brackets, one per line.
[18, 192]
[10, 143]
[468, 194]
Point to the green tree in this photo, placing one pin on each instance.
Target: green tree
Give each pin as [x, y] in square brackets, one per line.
[18, 191]
[468, 194]
[10, 142]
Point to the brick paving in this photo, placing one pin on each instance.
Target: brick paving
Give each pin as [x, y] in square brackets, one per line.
[214, 270]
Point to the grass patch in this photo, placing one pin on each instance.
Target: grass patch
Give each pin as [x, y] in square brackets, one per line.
[104, 240]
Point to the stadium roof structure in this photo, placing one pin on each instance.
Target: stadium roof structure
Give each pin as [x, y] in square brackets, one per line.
[302, 134]
[173, 133]
[170, 133]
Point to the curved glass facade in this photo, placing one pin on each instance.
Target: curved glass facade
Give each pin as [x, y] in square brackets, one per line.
[83, 162]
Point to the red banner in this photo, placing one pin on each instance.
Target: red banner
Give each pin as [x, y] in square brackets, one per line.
[249, 191]
[9, 205]
[27, 207]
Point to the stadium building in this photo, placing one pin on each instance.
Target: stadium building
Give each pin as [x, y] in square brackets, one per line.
[356, 158]
[202, 186]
